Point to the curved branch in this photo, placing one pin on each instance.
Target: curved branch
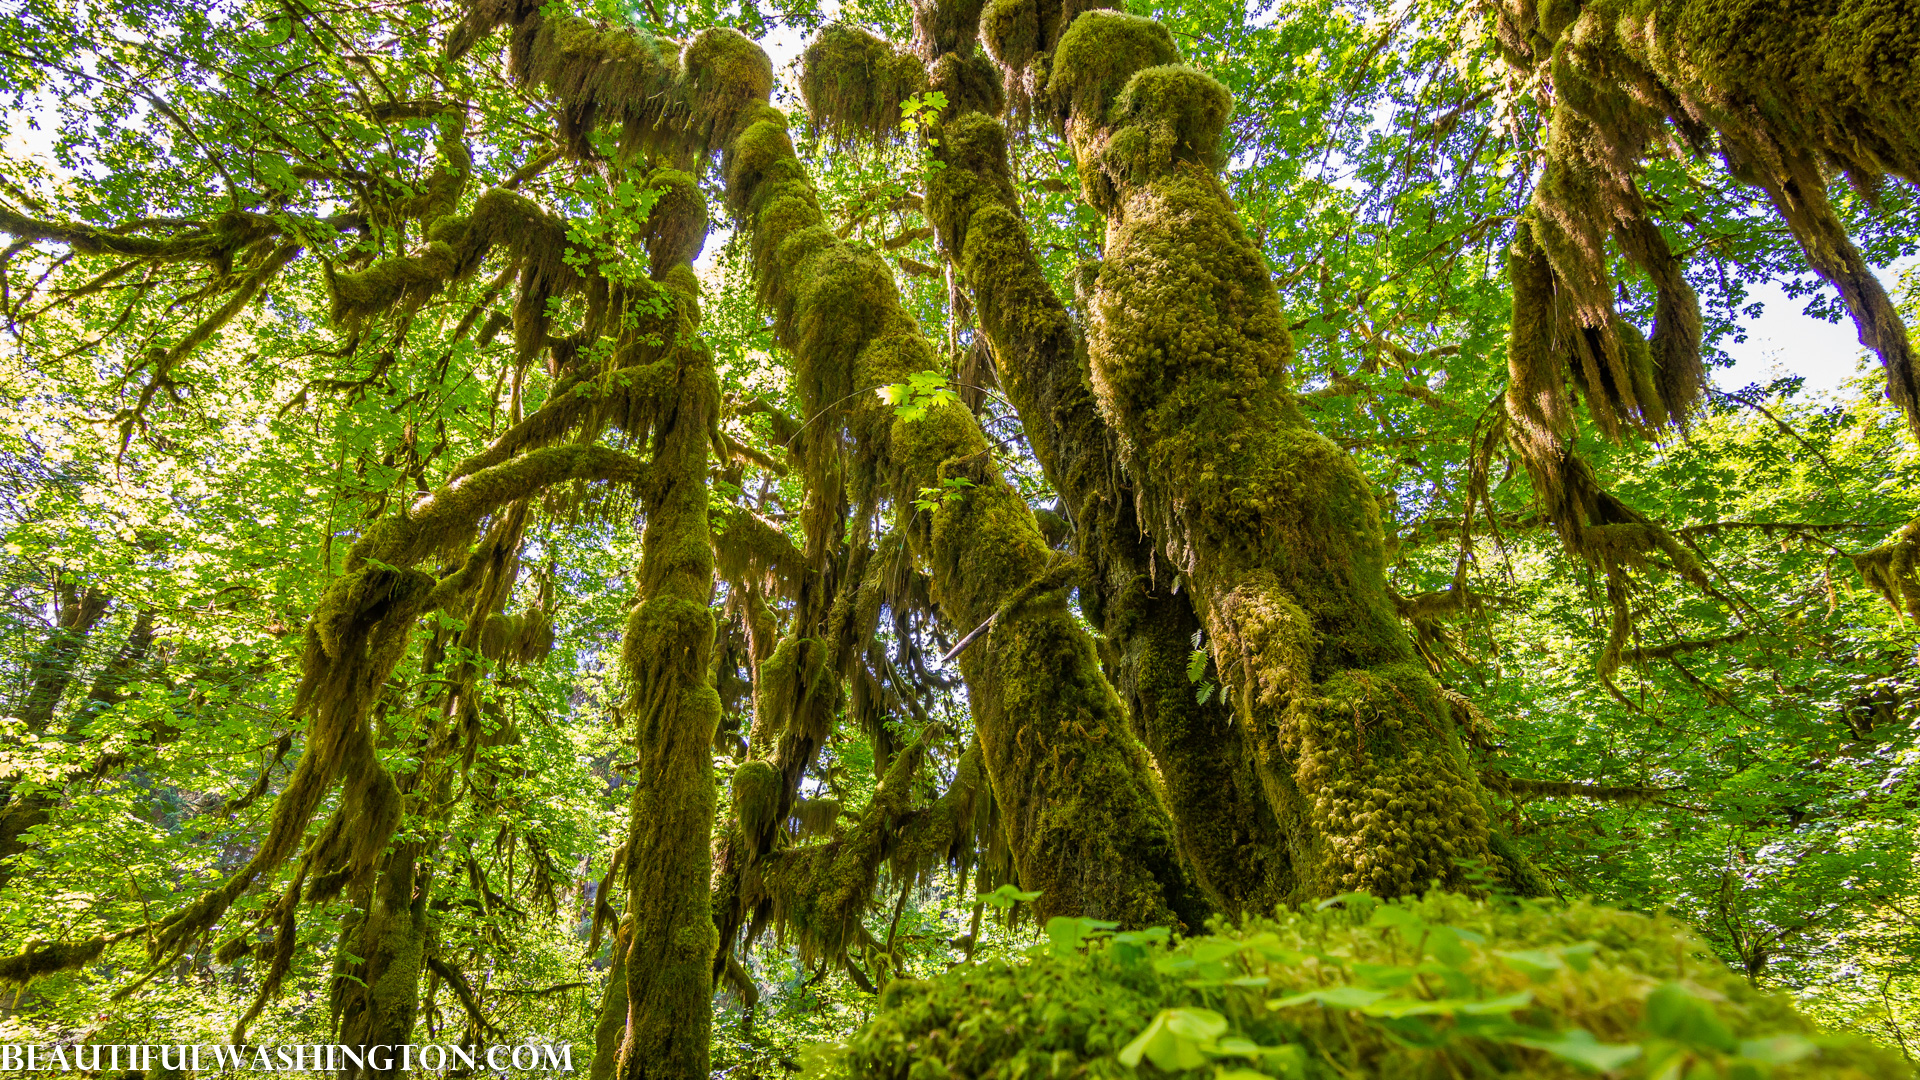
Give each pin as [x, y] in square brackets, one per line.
[403, 541]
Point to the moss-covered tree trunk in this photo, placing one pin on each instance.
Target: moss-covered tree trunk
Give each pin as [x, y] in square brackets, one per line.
[379, 1004]
[1274, 528]
[1085, 825]
[1226, 832]
[668, 963]
[49, 674]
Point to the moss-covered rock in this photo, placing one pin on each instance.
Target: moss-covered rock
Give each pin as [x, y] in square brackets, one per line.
[1438, 987]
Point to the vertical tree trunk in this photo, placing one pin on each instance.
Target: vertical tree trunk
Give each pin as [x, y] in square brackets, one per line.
[50, 672]
[1226, 832]
[669, 950]
[379, 1005]
[1275, 529]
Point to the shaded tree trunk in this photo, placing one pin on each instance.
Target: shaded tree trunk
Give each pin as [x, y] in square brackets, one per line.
[670, 946]
[49, 674]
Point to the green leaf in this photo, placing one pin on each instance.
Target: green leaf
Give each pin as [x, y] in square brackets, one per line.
[1397, 1007]
[1776, 1049]
[1580, 1048]
[1676, 1012]
[1175, 1039]
[1337, 997]
[1536, 964]
[1067, 932]
[1006, 896]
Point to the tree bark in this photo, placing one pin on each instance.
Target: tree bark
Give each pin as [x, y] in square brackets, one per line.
[50, 672]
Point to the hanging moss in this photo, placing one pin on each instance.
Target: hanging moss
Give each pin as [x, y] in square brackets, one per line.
[523, 638]
[753, 550]
[454, 250]
[854, 84]
[944, 27]
[1782, 90]
[756, 796]
[1893, 570]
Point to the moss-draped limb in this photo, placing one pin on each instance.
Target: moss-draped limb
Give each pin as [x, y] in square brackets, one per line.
[455, 248]
[1276, 529]
[386, 945]
[681, 103]
[1789, 90]
[1893, 570]
[448, 514]
[1084, 823]
[54, 664]
[1022, 35]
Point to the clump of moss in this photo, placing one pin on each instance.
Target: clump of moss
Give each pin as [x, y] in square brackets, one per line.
[970, 81]
[523, 638]
[854, 84]
[1100, 52]
[677, 225]
[945, 26]
[46, 958]
[1021, 36]
[1431, 988]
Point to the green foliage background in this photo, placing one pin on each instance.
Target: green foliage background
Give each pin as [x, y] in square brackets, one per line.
[1758, 782]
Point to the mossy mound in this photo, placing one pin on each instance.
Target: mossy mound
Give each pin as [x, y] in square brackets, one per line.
[1443, 986]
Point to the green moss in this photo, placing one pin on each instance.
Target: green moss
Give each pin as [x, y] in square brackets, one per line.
[1780, 91]
[1534, 975]
[1010, 29]
[677, 225]
[854, 84]
[46, 958]
[756, 796]
[970, 81]
[1168, 114]
[1022, 36]
[1100, 52]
